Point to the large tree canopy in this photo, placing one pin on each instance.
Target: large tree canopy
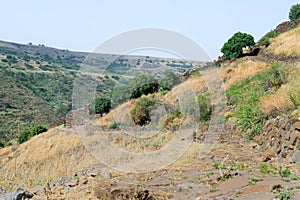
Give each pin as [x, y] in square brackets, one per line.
[234, 46]
[294, 12]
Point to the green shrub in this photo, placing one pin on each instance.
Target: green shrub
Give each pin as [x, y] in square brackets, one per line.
[284, 173]
[294, 12]
[265, 40]
[205, 107]
[168, 81]
[114, 125]
[1, 144]
[169, 123]
[26, 135]
[140, 114]
[234, 46]
[102, 105]
[143, 84]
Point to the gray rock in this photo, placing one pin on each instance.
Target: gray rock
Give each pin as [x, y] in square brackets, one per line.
[105, 174]
[21, 194]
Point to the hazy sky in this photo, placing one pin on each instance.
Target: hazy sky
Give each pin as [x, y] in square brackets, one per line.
[84, 25]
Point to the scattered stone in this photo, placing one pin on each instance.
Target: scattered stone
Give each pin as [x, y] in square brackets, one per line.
[83, 180]
[92, 174]
[105, 174]
[72, 183]
[270, 153]
[297, 126]
[21, 194]
[295, 157]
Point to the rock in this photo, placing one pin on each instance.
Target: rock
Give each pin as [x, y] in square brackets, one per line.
[293, 137]
[270, 153]
[72, 183]
[105, 174]
[92, 173]
[21, 194]
[297, 126]
[295, 157]
[83, 180]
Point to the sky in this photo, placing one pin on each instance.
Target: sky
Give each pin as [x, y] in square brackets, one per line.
[84, 25]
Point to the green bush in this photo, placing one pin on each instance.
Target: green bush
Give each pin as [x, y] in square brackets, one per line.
[205, 107]
[234, 46]
[102, 105]
[143, 84]
[265, 40]
[140, 114]
[168, 81]
[26, 135]
[114, 125]
[1, 144]
[294, 12]
[139, 85]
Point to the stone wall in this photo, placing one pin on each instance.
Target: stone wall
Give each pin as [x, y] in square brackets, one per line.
[272, 58]
[286, 26]
[280, 138]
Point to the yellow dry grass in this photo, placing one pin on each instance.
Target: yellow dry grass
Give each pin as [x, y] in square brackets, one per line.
[240, 70]
[286, 44]
[43, 158]
[285, 98]
[119, 114]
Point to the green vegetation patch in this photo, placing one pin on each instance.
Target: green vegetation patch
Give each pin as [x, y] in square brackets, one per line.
[245, 95]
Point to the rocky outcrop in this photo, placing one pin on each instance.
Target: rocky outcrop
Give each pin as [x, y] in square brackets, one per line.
[280, 138]
[286, 26]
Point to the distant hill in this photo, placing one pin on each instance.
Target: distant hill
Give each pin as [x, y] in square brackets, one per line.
[36, 81]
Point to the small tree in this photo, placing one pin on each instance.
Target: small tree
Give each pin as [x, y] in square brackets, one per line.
[294, 12]
[102, 105]
[140, 114]
[234, 46]
[143, 84]
[205, 107]
[168, 81]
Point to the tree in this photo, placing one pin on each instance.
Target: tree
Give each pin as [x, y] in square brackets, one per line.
[140, 114]
[102, 105]
[205, 107]
[234, 46]
[294, 12]
[143, 84]
[168, 81]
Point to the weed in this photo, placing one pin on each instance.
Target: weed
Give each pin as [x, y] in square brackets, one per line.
[114, 125]
[264, 168]
[253, 181]
[194, 180]
[284, 195]
[284, 173]
[213, 190]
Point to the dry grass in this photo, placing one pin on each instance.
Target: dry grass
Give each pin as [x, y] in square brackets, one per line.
[286, 98]
[43, 158]
[286, 44]
[240, 70]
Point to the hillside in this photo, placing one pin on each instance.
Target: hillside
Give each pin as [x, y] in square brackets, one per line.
[37, 81]
[230, 131]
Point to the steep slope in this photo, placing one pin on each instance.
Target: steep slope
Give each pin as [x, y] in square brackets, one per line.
[286, 44]
[37, 81]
